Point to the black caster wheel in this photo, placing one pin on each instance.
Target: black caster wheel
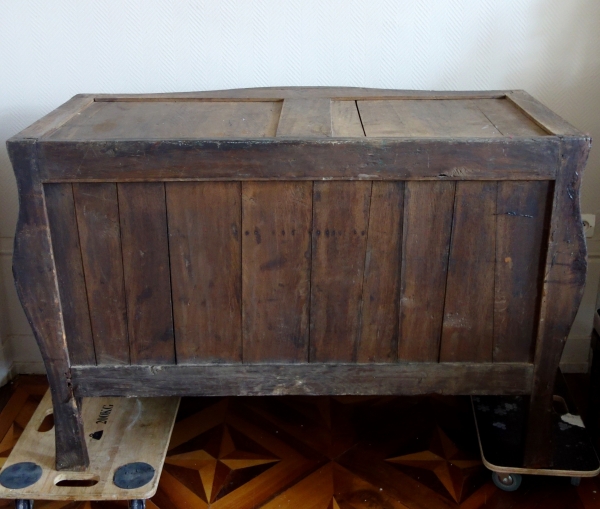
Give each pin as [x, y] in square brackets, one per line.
[507, 482]
[575, 481]
[22, 503]
[137, 504]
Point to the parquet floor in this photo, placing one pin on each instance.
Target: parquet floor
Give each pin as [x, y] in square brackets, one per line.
[321, 453]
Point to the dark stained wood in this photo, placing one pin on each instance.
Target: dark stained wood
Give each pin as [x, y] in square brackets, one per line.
[69, 270]
[378, 340]
[564, 281]
[468, 329]
[428, 212]
[520, 231]
[276, 250]
[541, 115]
[148, 120]
[339, 240]
[145, 247]
[305, 118]
[307, 379]
[471, 142]
[37, 287]
[100, 236]
[287, 159]
[206, 274]
[508, 118]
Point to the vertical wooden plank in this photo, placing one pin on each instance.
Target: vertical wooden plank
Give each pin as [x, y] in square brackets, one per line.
[36, 282]
[428, 211]
[521, 216]
[100, 235]
[143, 218]
[71, 282]
[468, 329]
[205, 251]
[276, 270]
[379, 332]
[339, 241]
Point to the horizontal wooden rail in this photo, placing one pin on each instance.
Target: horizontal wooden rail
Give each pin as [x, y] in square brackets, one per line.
[306, 379]
[294, 159]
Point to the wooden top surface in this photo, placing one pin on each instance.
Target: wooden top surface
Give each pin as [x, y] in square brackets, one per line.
[302, 113]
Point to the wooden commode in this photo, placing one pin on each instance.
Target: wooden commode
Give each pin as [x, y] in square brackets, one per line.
[299, 241]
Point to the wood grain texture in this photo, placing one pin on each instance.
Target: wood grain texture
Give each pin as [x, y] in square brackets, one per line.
[143, 219]
[305, 118]
[508, 118]
[541, 115]
[421, 118]
[100, 236]
[345, 120]
[521, 230]
[448, 142]
[304, 379]
[339, 241]
[37, 287]
[428, 212]
[69, 270]
[309, 460]
[206, 275]
[160, 120]
[378, 340]
[134, 430]
[276, 251]
[53, 120]
[294, 159]
[468, 329]
[564, 281]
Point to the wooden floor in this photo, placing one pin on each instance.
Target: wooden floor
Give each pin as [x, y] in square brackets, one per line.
[321, 453]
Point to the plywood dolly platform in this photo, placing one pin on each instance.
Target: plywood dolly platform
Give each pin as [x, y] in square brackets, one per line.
[501, 428]
[127, 440]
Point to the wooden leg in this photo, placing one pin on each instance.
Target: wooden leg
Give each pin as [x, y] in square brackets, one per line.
[71, 450]
[539, 443]
[564, 281]
[37, 286]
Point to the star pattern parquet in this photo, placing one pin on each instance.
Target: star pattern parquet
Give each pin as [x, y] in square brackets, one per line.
[321, 453]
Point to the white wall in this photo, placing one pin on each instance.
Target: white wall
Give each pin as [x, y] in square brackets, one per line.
[50, 51]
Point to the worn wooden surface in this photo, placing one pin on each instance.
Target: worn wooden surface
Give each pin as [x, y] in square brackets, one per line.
[300, 159]
[428, 214]
[339, 240]
[309, 379]
[135, 429]
[378, 336]
[37, 286]
[147, 274]
[467, 332]
[205, 257]
[563, 283]
[69, 268]
[321, 225]
[276, 247]
[521, 229]
[100, 236]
